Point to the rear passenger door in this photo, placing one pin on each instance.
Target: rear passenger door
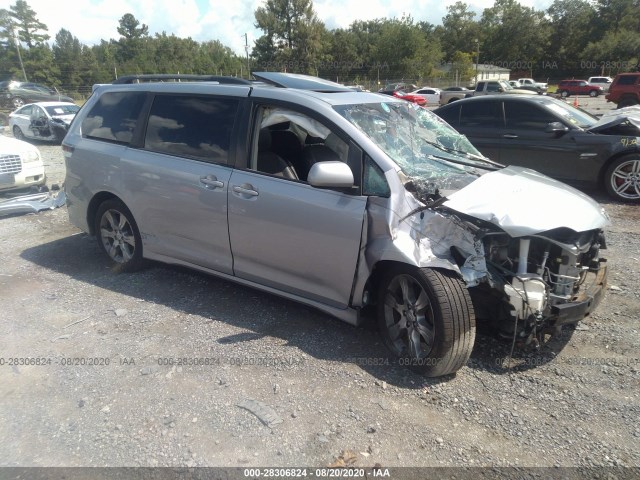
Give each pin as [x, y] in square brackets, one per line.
[177, 181]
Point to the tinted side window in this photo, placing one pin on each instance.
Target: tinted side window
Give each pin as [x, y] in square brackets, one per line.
[525, 115]
[450, 114]
[628, 79]
[191, 126]
[114, 117]
[481, 114]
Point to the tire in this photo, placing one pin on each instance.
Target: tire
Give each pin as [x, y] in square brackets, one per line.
[622, 178]
[426, 319]
[17, 133]
[118, 236]
[564, 93]
[627, 102]
[17, 102]
[593, 93]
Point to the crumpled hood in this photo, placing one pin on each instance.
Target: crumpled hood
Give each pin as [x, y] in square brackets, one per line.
[524, 202]
[616, 117]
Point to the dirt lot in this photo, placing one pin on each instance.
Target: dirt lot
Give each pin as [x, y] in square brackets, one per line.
[106, 394]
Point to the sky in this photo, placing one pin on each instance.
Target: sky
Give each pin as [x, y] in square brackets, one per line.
[225, 20]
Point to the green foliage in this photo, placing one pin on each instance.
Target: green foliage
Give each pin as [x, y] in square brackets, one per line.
[572, 38]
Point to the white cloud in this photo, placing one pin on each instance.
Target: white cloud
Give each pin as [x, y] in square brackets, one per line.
[224, 20]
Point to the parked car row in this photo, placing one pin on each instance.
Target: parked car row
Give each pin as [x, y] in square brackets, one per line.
[14, 94]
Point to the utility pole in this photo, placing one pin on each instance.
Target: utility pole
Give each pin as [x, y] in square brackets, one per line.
[477, 57]
[246, 49]
[15, 36]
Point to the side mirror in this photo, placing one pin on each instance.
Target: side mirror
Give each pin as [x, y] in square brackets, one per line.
[556, 127]
[331, 174]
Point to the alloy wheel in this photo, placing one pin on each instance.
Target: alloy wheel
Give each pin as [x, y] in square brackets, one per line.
[117, 236]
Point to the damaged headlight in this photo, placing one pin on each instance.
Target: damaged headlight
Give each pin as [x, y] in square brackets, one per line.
[30, 156]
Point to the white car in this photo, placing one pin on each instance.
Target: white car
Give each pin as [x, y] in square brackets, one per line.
[431, 95]
[604, 82]
[43, 120]
[20, 164]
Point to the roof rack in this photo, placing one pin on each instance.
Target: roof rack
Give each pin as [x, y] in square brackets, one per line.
[169, 77]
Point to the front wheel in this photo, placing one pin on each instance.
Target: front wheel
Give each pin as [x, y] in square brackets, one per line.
[17, 133]
[622, 179]
[426, 319]
[118, 235]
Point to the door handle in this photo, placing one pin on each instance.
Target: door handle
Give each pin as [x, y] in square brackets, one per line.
[245, 189]
[509, 135]
[211, 181]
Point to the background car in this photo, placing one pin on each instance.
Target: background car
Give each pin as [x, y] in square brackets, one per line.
[431, 95]
[16, 94]
[555, 138]
[451, 94]
[410, 97]
[578, 87]
[604, 82]
[43, 121]
[20, 164]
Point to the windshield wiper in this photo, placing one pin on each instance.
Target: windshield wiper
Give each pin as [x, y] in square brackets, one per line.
[439, 146]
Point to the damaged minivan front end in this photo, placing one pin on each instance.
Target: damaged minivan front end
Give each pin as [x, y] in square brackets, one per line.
[525, 246]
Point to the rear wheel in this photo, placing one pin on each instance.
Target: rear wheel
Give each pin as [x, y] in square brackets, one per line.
[622, 179]
[564, 93]
[17, 102]
[118, 235]
[426, 319]
[627, 102]
[593, 93]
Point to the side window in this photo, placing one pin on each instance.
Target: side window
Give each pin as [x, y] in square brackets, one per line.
[521, 115]
[374, 181]
[288, 143]
[25, 110]
[451, 114]
[481, 114]
[114, 117]
[191, 126]
[493, 87]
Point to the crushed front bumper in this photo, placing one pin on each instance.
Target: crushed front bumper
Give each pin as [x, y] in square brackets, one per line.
[586, 302]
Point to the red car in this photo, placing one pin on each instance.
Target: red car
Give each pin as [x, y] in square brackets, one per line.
[578, 87]
[409, 97]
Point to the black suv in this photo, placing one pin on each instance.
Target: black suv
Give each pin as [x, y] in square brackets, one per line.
[16, 94]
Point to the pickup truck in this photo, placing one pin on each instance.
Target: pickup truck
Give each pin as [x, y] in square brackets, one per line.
[493, 87]
[451, 94]
[530, 82]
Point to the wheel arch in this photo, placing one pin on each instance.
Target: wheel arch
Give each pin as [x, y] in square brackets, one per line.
[382, 267]
[97, 200]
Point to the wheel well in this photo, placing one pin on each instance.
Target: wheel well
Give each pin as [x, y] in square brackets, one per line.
[378, 273]
[94, 204]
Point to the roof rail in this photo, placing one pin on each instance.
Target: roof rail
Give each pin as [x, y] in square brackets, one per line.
[169, 77]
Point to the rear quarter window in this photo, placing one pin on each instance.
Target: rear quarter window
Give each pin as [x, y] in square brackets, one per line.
[192, 126]
[628, 79]
[114, 117]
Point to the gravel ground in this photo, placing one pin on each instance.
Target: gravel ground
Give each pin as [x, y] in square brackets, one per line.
[322, 392]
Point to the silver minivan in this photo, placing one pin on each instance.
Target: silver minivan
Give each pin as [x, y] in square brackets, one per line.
[354, 203]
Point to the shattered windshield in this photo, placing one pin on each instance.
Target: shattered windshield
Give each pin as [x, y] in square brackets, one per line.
[423, 145]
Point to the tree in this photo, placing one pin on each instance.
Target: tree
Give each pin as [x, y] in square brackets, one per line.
[30, 30]
[514, 34]
[459, 30]
[132, 38]
[292, 35]
[66, 54]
